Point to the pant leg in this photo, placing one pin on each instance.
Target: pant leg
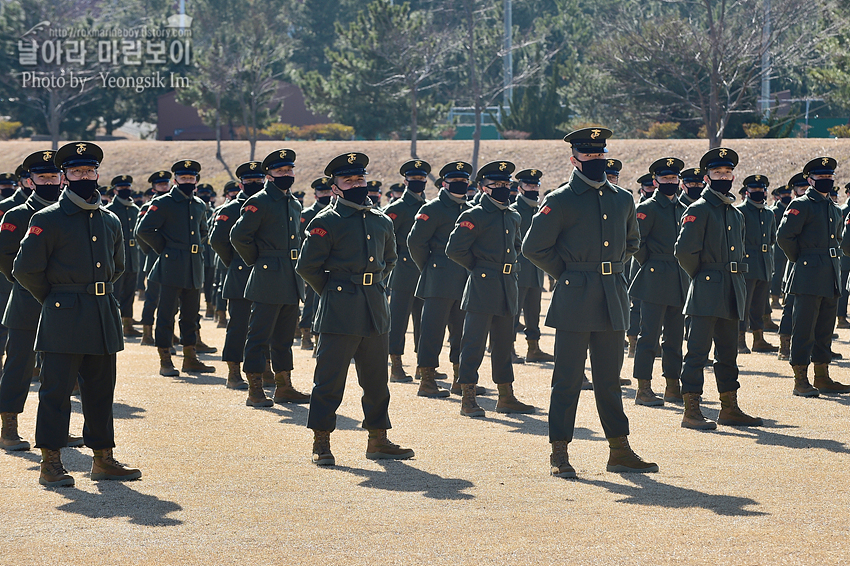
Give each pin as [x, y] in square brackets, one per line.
[606, 362]
[671, 343]
[523, 293]
[58, 376]
[209, 281]
[570, 355]
[237, 330]
[280, 342]
[370, 360]
[651, 322]
[309, 310]
[455, 326]
[786, 323]
[531, 313]
[700, 338]
[634, 318]
[845, 294]
[97, 390]
[748, 304]
[126, 294]
[333, 358]
[152, 292]
[401, 305]
[804, 317]
[824, 327]
[261, 326]
[167, 308]
[140, 280]
[501, 340]
[17, 370]
[435, 317]
[726, 354]
[756, 312]
[190, 316]
[476, 328]
[416, 312]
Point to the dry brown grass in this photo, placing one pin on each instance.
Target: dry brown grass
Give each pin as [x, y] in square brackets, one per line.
[226, 484]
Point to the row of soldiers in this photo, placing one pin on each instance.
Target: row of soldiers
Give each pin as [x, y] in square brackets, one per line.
[471, 265]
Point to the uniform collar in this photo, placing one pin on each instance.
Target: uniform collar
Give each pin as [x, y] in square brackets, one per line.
[526, 202]
[714, 197]
[662, 199]
[580, 183]
[754, 204]
[34, 199]
[72, 203]
[177, 194]
[447, 198]
[126, 202]
[346, 208]
[491, 205]
[812, 194]
[275, 192]
[409, 197]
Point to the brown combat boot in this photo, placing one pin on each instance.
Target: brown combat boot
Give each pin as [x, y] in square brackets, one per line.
[732, 415]
[824, 384]
[646, 396]
[306, 339]
[560, 462]
[842, 322]
[104, 466]
[129, 331]
[256, 394]
[784, 347]
[379, 447]
[769, 325]
[456, 390]
[673, 391]
[9, 438]
[222, 319]
[742, 343]
[210, 312]
[202, 348]
[802, 387]
[397, 374]
[468, 406]
[234, 377]
[535, 354]
[693, 417]
[428, 386]
[322, 448]
[623, 459]
[166, 368]
[147, 335]
[53, 473]
[632, 345]
[191, 363]
[284, 392]
[268, 375]
[762, 345]
[508, 402]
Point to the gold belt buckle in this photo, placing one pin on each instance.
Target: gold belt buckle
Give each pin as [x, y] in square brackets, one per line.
[293, 254]
[194, 248]
[132, 242]
[100, 288]
[607, 268]
[506, 270]
[367, 279]
[764, 248]
[733, 266]
[833, 252]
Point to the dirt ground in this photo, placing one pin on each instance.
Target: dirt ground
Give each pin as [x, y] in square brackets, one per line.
[226, 484]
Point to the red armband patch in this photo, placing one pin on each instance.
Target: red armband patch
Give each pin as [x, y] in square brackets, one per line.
[545, 210]
[793, 211]
[318, 232]
[153, 208]
[393, 215]
[422, 217]
[8, 226]
[641, 215]
[303, 220]
[689, 218]
[35, 230]
[251, 208]
[222, 217]
[467, 224]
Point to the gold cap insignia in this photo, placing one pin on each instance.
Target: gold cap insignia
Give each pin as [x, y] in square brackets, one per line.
[187, 164]
[610, 163]
[722, 153]
[534, 172]
[253, 165]
[503, 166]
[459, 166]
[418, 164]
[163, 173]
[669, 162]
[352, 157]
[825, 161]
[758, 177]
[595, 134]
[696, 171]
[47, 154]
[81, 147]
[283, 153]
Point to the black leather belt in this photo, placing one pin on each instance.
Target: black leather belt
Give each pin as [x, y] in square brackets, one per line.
[132, 242]
[505, 268]
[605, 267]
[99, 288]
[764, 249]
[663, 257]
[292, 254]
[831, 252]
[193, 248]
[365, 279]
[731, 267]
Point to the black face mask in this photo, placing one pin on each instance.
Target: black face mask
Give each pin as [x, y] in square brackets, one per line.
[323, 200]
[252, 188]
[187, 188]
[206, 197]
[48, 192]
[824, 185]
[6, 193]
[721, 186]
[27, 191]
[458, 187]
[283, 183]
[501, 194]
[357, 195]
[532, 195]
[594, 169]
[416, 186]
[84, 188]
[124, 193]
[668, 189]
[756, 196]
[695, 192]
[786, 199]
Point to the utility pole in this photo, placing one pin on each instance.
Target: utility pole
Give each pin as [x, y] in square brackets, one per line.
[508, 58]
[765, 62]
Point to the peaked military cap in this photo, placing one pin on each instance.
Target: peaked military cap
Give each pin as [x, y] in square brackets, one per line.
[397, 187]
[438, 182]
[279, 158]
[719, 157]
[847, 188]
[186, 167]
[645, 180]
[497, 171]
[530, 176]
[693, 175]
[514, 186]
[388, 193]
[8, 178]
[456, 169]
[102, 189]
[347, 165]
[667, 166]
[298, 194]
[159, 177]
[206, 187]
[321, 184]
[373, 185]
[798, 180]
[415, 167]
[251, 170]
[820, 166]
[757, 181]
[40, 162]
[149, 192]
[613, 167]
[22, 173]
[589, 140]
[75, 154]
[231, 186]
[781, 189]
[122, 180]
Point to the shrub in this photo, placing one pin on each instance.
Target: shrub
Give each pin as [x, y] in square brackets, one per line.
[755, 131]
[660, 130]
[277, 131]
[8, 129]
[515, 135]
[842, 131]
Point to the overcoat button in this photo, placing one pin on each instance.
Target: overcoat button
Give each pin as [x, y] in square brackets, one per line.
[652, 269]
[566, 282]
[265, 267]
[94, 238]
[339, 288]
[483, 275]
[57, 304]
[707, 278]
[240, 268]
